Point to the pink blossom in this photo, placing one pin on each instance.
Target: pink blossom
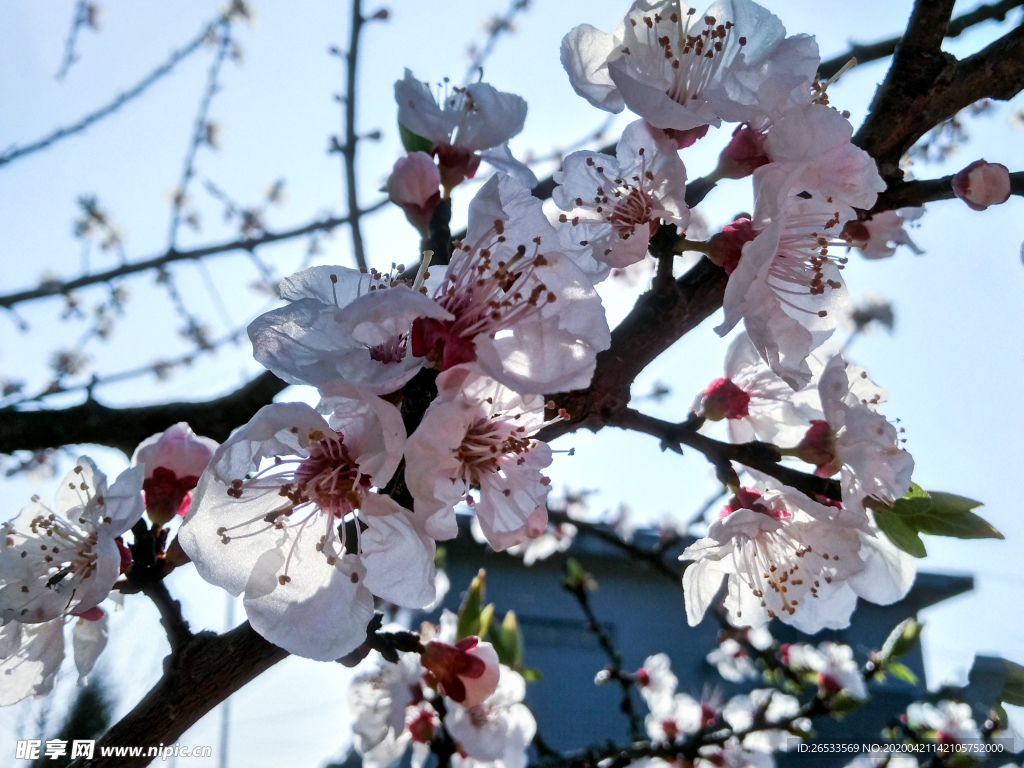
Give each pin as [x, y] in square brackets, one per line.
[173, 461]
[744, 153]
[414, 186]
[982, 184]
[467, 671]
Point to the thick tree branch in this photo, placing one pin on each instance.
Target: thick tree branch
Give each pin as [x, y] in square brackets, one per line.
[656, 322]
[55, 288]
[904, 101]
[125, 428]
[925, 86]
[874, 51]
[207, 669]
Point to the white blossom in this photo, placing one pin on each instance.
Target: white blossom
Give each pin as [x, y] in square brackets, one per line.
[65, 560]
[680, 70]
[614, 204]
[837, 670]
[475, 443]
[785, 555]
[273, 514]
[526, 314]
[496, 732]
[477, 117]
[342, 324]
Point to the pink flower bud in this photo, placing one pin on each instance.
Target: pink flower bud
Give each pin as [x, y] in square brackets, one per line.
[414, 186]
[466, 672]
[726, 247]
[744, 153]
[724, 400]
[982, 184]
[174, 460]
[818, 446]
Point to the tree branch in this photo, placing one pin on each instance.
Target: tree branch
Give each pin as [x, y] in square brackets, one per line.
[874, 51]
[655, 323]
[903, 102]
[614, 669]
[125, 428]
[119, 101]
[207, 669]
[348, 150]
[55, 288]
[925, 86]
[908, 194]
[764, 457]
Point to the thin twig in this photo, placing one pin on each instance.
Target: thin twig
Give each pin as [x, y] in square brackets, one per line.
[119, 101]
[605, 533]
[909, 194]
[348, 150]
[200, 132]
[56, 288]
[78, 20]
[496, 26]
[763, 457]
[615, 670]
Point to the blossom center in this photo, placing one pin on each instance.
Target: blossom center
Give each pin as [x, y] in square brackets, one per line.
[330, 477]
[486, 295]
[487, 442]
[693, 53]
[390, 351]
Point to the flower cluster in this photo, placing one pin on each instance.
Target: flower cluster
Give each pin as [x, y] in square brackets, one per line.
[293, 510]
[57, 564]
[785, 554]
[397, 706]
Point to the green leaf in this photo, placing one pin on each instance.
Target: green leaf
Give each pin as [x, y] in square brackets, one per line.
[414, 142]
[507, 640]
[937, 513]
[900, 532]
[530, 675]
[903, 672]
[472, 606]
[902, 639]
[1013, 688]
[843, 704]
[959, 525]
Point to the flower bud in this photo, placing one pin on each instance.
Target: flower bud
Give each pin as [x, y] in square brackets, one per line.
[414, 186]
[726, 247]
[724, 400]
[818, 446]
[744, 153]
[466, 672]
[982, 184]
[174, 460]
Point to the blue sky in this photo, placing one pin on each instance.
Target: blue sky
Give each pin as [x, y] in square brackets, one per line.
[953, 367]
